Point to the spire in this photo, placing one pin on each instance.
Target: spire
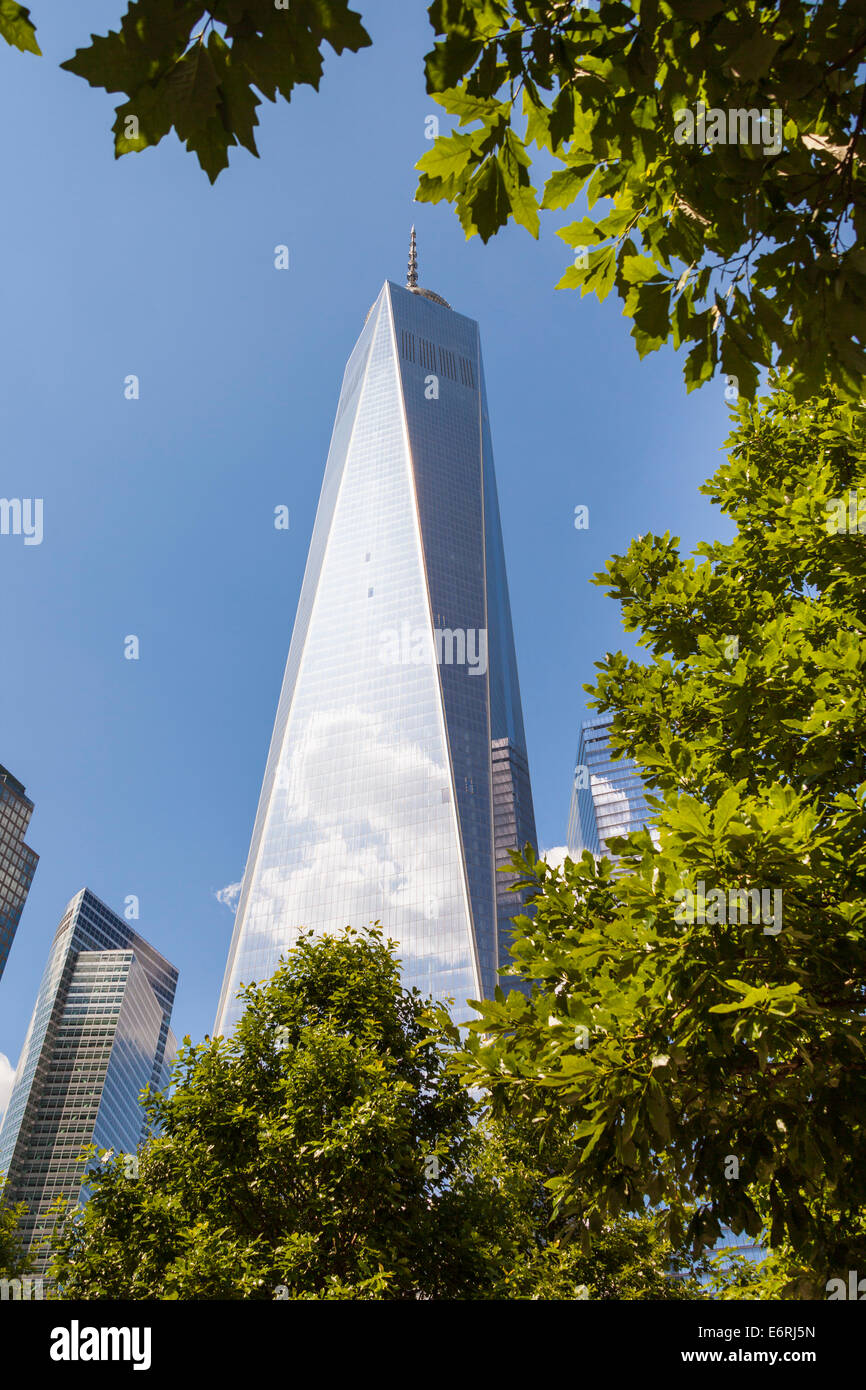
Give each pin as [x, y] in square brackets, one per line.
[412, 278]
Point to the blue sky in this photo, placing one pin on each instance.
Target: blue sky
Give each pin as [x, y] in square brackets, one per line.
[158, 513]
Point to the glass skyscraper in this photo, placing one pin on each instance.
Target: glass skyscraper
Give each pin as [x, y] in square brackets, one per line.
[98, 1035]
[17, 861]
[397, 775]
[607, 797]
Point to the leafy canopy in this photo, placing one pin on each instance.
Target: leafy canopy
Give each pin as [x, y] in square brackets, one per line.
[668, 1046]
[13, 1259]
[548, 1255]
[741, 243]
[749, 252]
[330, 1150]
[197, 67]
[322, 1151]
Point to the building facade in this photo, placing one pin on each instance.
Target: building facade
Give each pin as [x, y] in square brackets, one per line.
[397, 773]
[100, 1032]
[17, 861]
[607, 797]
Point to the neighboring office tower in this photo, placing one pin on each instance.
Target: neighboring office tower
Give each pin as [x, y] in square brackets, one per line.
[397, 769]
[607, 797]
[17, 861]
[99, 1034]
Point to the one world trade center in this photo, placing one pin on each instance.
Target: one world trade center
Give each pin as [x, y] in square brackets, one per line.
[397, 779]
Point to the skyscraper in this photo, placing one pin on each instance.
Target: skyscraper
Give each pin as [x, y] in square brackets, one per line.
[17, 861]
[607, 797]
[98, 1035]
[397, 772]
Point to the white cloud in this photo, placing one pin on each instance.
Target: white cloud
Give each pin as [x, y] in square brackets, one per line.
[611, 800]
[376, 843]
[229, 895]
[7, 1076]
[555, 857]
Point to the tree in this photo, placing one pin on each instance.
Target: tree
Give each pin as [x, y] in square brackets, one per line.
[720, 145]
[13, 1259]
[702, 1037]
[178, 69]
[323, 1151]
[736, 235]
[550, 1256]
[330, 1151]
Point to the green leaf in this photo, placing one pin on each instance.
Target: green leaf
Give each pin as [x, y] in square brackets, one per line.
[514, 160]
[448, 155]
[736, 364]
[150, 123]
[210, 142]
[701, 361]
[583, 233]
[17, 28]
[110, 63]
[448, 62]
[486, 204]
[658, 1112]
[340, 26]
[752, 58]
[192, 94]
[237, 99]
[563, 187]
[650, 308]
[602, 272]
[458, 102]
[635, 269]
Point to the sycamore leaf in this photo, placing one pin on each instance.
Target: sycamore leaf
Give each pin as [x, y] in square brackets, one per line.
[192, 91]
[199, 82]
[583, 233]
[17, 28]
[513, 160]
[563, 187]
[701, 361]
[448, 155]
[752, 58]
[737, 365]
[486, 204]
[635, 269]
[658, 1112]
[141, 122]
[602, 272]
[210, 143]
[471, 108]
[447, 62]
[237, 98]
[111, 63]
